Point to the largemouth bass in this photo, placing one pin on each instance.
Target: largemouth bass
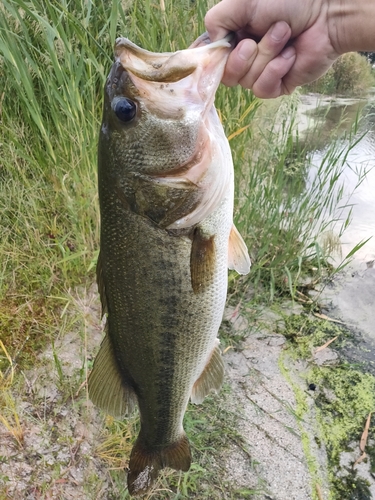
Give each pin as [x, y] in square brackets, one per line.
[167, 240]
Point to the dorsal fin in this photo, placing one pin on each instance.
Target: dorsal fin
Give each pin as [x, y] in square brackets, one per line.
[238, 255]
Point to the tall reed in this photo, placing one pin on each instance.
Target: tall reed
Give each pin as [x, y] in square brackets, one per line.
[54, 58]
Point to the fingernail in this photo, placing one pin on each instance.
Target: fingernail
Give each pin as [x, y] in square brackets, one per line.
[279, 30]
[288, 53]
[246, 50]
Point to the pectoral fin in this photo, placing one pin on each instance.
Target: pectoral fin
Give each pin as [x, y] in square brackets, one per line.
[238, 255]
[211, 379]
[107, 388]
[202, 260]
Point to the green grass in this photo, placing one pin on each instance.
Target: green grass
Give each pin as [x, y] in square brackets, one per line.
[54, 57]
[52, 70]
[286, 215]
[9, 417]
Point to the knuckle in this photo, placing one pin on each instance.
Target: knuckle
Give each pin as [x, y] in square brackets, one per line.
[208, 20]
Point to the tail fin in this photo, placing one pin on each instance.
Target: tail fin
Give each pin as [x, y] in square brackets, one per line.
[145, 464]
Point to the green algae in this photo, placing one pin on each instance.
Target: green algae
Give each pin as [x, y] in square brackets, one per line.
[343, 397]
[307, 333]
[302, 408]
[343, 403]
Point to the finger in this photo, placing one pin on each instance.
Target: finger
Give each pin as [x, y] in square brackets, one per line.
[239, 62]
[312, 61]
[226, 16]
[270, 83]
[269, 47]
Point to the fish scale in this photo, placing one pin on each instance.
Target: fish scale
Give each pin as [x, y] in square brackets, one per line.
[167, 240]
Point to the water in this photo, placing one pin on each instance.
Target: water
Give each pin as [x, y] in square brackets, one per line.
[360, 158]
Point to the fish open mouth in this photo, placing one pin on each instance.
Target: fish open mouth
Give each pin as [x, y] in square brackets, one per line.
[190, 75]
[168, 66]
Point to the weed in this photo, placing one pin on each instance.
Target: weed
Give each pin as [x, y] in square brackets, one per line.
[58, 365]
[54, 61]
[351, 487]
[308, 333]
[115, 448]
[287, 208]
[8, 408]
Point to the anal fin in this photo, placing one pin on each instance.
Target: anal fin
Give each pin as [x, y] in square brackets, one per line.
[107, 388]
[211, 379]
[145, 464]
[238, 255]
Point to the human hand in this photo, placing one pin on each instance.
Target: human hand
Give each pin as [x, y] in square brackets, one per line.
[295, 44]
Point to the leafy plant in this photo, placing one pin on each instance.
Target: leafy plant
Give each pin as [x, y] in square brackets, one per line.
[350, 75]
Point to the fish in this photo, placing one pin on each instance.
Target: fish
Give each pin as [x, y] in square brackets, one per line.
[167, 239]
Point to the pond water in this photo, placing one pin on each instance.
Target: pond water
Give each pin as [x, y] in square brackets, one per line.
[360, 158]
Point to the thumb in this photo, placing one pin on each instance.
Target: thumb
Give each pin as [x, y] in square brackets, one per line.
[226, 16]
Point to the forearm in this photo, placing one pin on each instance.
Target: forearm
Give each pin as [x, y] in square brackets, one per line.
[352, 25]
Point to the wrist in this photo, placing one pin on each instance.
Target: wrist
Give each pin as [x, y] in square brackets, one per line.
[351, 25]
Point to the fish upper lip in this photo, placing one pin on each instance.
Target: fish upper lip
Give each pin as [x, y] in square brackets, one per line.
[122, 42]
[166, 66]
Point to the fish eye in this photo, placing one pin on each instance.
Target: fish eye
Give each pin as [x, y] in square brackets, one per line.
[125, 109]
